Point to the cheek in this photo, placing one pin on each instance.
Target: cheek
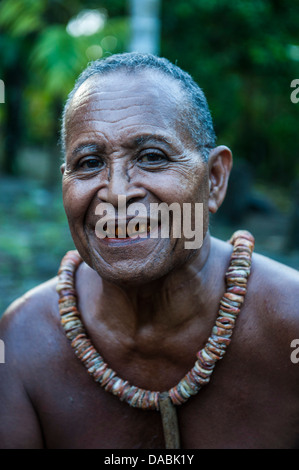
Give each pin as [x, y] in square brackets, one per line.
[76, 199]
[177, 186]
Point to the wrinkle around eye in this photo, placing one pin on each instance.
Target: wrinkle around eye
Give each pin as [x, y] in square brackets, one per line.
[81, 175]
[84, 163]
[75, 171]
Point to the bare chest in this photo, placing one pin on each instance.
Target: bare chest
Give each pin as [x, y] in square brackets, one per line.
[233, 411]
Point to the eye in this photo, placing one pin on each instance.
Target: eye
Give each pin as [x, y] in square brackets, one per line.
[152, 158]
[91, 163]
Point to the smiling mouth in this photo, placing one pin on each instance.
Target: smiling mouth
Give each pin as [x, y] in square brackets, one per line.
[126, 231]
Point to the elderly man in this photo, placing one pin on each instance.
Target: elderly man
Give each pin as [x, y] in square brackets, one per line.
[141, 342]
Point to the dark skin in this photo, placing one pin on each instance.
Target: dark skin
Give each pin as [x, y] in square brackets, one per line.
[148, 307]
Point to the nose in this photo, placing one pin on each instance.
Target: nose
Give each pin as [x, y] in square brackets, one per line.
[120, 184]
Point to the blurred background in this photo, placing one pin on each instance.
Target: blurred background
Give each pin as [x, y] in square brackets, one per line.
[243, 54]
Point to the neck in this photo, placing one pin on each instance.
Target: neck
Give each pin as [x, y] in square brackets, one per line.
[169, 303]
[131, 364]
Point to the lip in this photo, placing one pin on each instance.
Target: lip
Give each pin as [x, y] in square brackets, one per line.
[122, 241]
[152, 232]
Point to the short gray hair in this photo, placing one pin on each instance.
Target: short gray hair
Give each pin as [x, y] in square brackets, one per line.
[197, 114]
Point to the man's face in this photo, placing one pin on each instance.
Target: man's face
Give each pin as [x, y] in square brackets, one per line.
[126, 136]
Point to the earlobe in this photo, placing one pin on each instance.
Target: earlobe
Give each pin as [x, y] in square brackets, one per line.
[62, 168]
[220, 164]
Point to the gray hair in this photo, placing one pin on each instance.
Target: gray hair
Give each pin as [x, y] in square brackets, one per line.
[196, 112]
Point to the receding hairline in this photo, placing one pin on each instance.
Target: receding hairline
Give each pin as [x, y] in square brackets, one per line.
[179, 97]
[176, 99]
[195, 110]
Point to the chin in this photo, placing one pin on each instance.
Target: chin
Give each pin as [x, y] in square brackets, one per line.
[130, 273]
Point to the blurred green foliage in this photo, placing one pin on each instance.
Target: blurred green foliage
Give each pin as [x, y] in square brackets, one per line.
[40, 61]
[33, 238]
[243, 54]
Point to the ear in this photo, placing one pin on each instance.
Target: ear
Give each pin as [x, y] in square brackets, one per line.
[220, 164]
[62, 168]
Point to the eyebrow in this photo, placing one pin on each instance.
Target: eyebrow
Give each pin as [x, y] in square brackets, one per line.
[90, 147]
[138, 141]
[143, 139]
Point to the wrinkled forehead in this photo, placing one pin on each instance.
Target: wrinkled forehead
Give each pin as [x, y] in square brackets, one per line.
[155, 97]
[148, 84]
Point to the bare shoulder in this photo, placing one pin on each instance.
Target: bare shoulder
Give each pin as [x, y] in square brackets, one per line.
[27, 330]
[271, 321]
[28, 323]
[33, 305]
[276, 286]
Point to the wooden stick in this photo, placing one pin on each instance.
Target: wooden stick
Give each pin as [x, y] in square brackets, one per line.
[169, 422]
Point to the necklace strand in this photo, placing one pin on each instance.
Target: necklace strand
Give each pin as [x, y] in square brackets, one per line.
[215, 348]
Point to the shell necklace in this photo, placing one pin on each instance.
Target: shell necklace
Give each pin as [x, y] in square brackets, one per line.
[215, 348]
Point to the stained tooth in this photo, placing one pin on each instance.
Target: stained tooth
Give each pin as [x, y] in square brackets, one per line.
[120, 232]
[133, 231]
